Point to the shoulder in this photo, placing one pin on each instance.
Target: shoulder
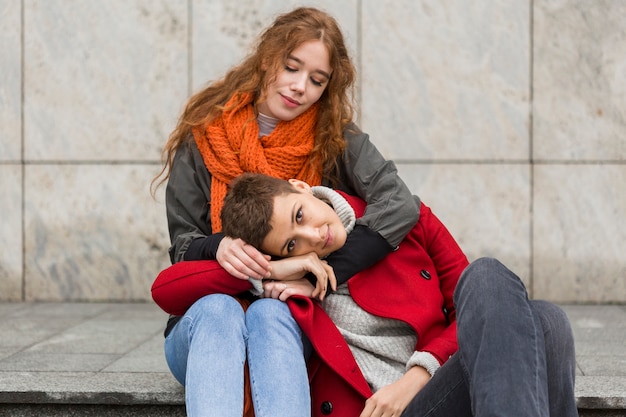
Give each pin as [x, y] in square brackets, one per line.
[189, 171]
[358, 145]
[188, 157]
[354, 137]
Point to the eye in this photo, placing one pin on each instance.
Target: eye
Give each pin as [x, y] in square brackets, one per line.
[290, 69]
[317, 83]
[292, 243]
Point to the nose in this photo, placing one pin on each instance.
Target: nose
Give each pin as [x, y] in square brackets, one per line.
[299, 83]
[312, 234]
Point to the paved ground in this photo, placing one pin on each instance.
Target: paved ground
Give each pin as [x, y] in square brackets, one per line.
[90, 353]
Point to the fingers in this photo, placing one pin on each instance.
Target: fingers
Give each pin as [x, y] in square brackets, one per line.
[242, 260]
[320, 289]
[331, 276]
[324, 275]
[252, 262]
[282, 290]
[233, 271]
[273, 289]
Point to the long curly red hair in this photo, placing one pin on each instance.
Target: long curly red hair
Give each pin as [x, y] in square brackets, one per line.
[259, 69]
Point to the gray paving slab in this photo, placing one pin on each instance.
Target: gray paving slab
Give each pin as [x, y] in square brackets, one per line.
[600, 338]
[148, 357]
[101, 336]
[614, 365]
[34, 361]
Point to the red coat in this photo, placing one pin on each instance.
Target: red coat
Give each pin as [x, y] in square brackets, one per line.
[414, 284]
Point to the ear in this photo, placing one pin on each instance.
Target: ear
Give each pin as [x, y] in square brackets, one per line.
[300, 185]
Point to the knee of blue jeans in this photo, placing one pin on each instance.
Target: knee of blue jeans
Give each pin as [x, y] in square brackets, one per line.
[269, 316]
[215, 305]
[267, 310]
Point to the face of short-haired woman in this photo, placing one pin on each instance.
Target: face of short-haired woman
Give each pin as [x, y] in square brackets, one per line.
[302, 223]
[300, 83]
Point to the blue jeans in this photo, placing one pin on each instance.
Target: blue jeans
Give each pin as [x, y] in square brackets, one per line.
[516, 356]
[207, 348]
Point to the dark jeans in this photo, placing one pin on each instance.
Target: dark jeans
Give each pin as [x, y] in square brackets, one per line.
[516, 356]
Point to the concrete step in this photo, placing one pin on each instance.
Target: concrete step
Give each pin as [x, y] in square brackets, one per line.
[87, 359]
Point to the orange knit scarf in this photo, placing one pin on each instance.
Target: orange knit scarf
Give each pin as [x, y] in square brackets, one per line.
[230, 145]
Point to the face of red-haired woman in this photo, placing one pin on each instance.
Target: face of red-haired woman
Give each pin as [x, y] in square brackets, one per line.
[300, 83]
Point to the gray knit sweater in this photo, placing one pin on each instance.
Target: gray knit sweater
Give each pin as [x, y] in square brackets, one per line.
[383, 348]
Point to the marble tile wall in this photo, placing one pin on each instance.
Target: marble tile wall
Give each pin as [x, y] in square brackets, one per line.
[507, 118]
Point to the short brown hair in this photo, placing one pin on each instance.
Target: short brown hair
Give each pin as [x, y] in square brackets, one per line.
[249, 205]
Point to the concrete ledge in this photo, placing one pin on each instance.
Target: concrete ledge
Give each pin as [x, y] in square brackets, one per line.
[601, 392]
[91, 388]
[82, 410]
[73, 359]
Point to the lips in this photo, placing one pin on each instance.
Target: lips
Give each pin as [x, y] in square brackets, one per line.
[289, 102]
[329, 238]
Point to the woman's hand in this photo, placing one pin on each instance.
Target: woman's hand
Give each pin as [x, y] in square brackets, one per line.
[296, 267]
[392, 400]
[281, 290]
[241, 260]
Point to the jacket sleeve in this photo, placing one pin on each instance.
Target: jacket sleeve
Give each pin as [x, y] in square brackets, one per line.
[391, 210]
[187, 201]
[449, 261]
[176, 288]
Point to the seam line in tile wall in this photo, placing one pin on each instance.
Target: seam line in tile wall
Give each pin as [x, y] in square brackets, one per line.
[359, 54]
[189, 47]
[89, 162]
[22, 152]
[461, 162]
[531, 56]
[505, 162]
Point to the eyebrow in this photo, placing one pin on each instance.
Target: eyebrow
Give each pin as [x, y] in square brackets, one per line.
[301, 62]
[294, 210]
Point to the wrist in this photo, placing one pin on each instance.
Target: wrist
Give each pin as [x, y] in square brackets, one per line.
[424, 360]
[418, 377]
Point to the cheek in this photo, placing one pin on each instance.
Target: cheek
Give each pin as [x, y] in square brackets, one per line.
[340, 240]
[283, 79]
[315, 95]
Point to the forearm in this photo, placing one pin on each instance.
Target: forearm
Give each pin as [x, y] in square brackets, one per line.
[363, 248]
[393, 399]
[203, 248]
[176, 288]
